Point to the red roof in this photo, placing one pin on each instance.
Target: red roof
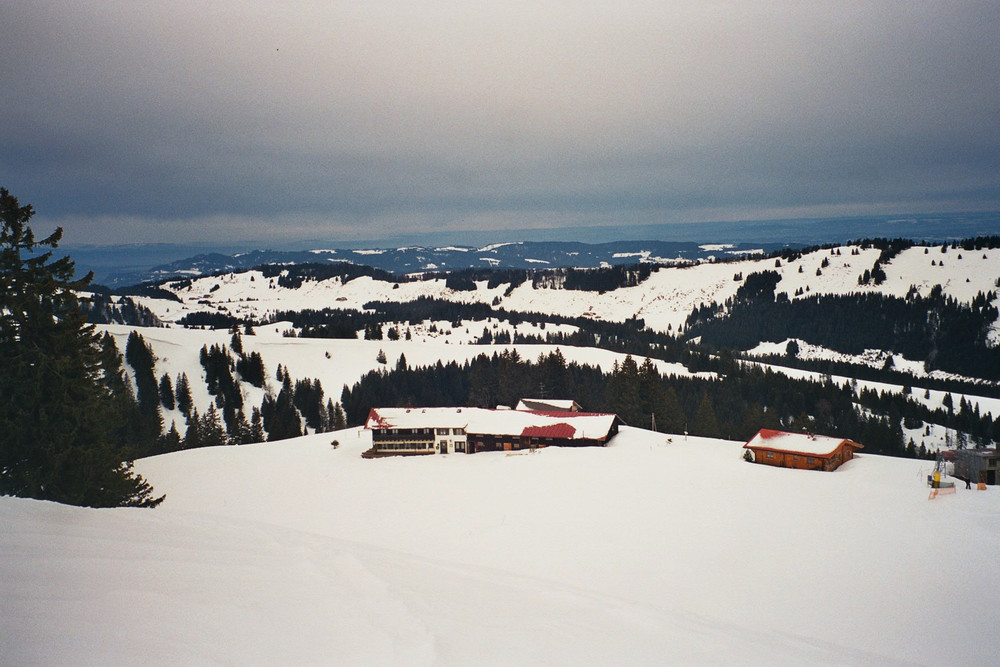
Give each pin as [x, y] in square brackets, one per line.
[374, 418]
[561, 430]
[804, 444]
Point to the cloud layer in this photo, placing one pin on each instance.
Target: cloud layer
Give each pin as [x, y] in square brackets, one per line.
[140, 121]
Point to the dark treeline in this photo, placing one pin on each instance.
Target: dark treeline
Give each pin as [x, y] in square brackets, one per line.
[153, 290]
[329, 322]
[936, 329]
[967, 425]
[887, 374]
[203, 320]
[602, 279]
[292, 277]
[732, 406]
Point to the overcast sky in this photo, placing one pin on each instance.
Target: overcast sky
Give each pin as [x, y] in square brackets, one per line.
[129, 120]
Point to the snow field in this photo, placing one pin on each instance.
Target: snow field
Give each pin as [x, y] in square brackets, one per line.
[653, 550]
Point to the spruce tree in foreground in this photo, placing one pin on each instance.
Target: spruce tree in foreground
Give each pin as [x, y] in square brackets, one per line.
[57, 416]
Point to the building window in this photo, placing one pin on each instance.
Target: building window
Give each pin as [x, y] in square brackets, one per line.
[770, 455]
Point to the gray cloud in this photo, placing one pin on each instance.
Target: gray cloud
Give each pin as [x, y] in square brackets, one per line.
[218, 120]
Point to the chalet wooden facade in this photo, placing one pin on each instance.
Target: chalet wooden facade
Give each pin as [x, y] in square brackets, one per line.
[803, 451]
[410, 431]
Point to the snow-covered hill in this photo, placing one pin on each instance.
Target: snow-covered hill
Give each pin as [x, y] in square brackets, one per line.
[649, 551]
[664, 300]
[334, 362]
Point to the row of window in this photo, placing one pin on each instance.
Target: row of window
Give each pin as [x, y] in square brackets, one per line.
[406, 445]
[424, 431]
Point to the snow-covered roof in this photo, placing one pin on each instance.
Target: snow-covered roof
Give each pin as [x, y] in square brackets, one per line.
[547, 404]
[798, 443]
[569, 425]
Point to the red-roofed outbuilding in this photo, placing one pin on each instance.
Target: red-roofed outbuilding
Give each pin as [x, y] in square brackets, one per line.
[804, 451]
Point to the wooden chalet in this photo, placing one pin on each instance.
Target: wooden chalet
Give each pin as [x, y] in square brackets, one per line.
[409, 431]
[804, 451]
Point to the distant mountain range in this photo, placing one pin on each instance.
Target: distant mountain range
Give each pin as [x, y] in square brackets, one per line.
[527, 255]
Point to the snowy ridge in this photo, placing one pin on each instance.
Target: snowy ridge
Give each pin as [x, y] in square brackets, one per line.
[663, 301]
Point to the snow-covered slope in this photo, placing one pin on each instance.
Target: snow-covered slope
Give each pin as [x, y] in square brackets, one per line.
[664, 300]
[334, 362]
[649, 551]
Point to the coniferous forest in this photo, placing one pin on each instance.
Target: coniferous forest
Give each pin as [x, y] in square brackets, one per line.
[742, 400]
[936, 329]
[64, 413]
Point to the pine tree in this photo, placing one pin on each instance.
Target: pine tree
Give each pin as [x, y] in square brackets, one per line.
[251, 369]
[57, 416]
[326, 417]
[125, 425]
[339, 418]
[185, 402]
[257, 433]
[167, 393]
[150, 423]
[240, 434]
[169, 441]
[705, 422]
[283, 421]
[670, 416]
[192, 437]
[236, 343]
[213, 433]
[623, 392]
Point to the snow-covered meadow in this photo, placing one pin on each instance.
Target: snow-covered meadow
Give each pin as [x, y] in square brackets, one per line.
[654, 550]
